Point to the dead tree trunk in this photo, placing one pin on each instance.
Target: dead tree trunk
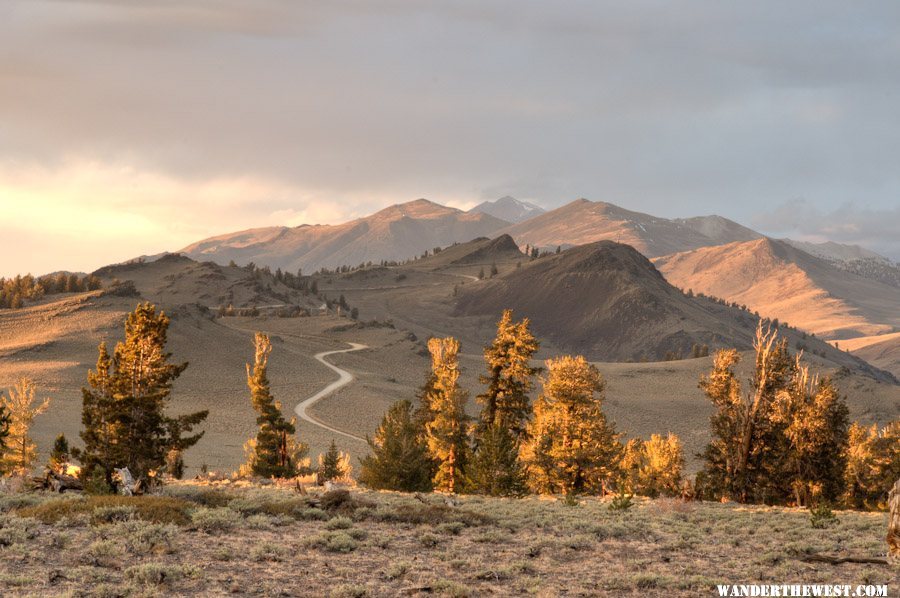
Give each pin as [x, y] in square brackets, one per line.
[893, 534]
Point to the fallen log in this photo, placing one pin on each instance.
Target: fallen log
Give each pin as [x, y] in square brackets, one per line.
[57, 482]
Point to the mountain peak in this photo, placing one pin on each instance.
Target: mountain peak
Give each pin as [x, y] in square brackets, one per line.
[417, 208]
[508, 208]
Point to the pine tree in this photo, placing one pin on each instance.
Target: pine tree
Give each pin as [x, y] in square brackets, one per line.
[873, 464]
[814, 419]
[446, 432]
[334, 464]
[59, 456]
[742, 460]
[399, 458]
[571, 449]
[21, 451]
[510, 376]
[275, 452]
[124, 411]
[495, 468]
[653, 467]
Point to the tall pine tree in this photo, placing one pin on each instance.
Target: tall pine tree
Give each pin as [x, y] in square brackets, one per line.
[275, 452]
[124, 409]
[21, 450]
[495, 468]
[510, 376]
[814, 421]
[399, 459]
[446, 432]
[742, 460]
[571, 448]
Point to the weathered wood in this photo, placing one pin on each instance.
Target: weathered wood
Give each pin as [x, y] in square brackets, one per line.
[893, 534]
[126, 485]
[57, 482]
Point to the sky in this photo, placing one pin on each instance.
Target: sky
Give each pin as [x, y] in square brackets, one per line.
[131, 127]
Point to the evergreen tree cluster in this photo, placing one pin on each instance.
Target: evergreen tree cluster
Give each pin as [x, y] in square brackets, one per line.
[785, 438]
[563, 444]
[16, 291]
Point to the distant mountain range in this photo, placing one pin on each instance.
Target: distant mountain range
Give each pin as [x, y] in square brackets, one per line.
[838, 291]
[583, 221]
[406, 230]
[395, 233]
[509, 209]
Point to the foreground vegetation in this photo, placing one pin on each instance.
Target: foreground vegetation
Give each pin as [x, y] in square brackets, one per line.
[234, 537]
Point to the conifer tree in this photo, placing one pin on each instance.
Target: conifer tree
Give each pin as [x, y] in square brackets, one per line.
[275, 452]
[510, 376]
[334, 464]
[399, 459]
[446, 431]
[571, 449]
[124, 409]
[59, 456]
[21, 451]
[814, 420]
[653, 467]
[742, 460]
[873, 464]
[495, 466]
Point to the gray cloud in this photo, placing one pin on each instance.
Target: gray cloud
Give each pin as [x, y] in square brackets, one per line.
[675, 108]
[874, 228]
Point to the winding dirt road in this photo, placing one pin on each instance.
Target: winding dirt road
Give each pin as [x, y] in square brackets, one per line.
[344, 378]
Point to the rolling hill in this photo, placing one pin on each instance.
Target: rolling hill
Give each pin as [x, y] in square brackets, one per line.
[882, 351]
[781, 281]
[583, 221]
[396, 233]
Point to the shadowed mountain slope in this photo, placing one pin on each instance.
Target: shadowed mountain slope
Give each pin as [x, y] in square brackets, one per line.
[608, 301]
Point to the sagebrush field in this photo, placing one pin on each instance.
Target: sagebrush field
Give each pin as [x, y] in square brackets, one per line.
[216, 538]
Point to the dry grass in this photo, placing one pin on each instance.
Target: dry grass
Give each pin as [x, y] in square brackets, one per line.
[391, 544]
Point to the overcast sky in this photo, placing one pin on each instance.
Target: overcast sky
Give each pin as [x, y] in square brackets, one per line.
[130, 127]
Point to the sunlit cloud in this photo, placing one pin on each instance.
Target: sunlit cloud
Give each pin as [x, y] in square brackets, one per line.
[83, 215]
